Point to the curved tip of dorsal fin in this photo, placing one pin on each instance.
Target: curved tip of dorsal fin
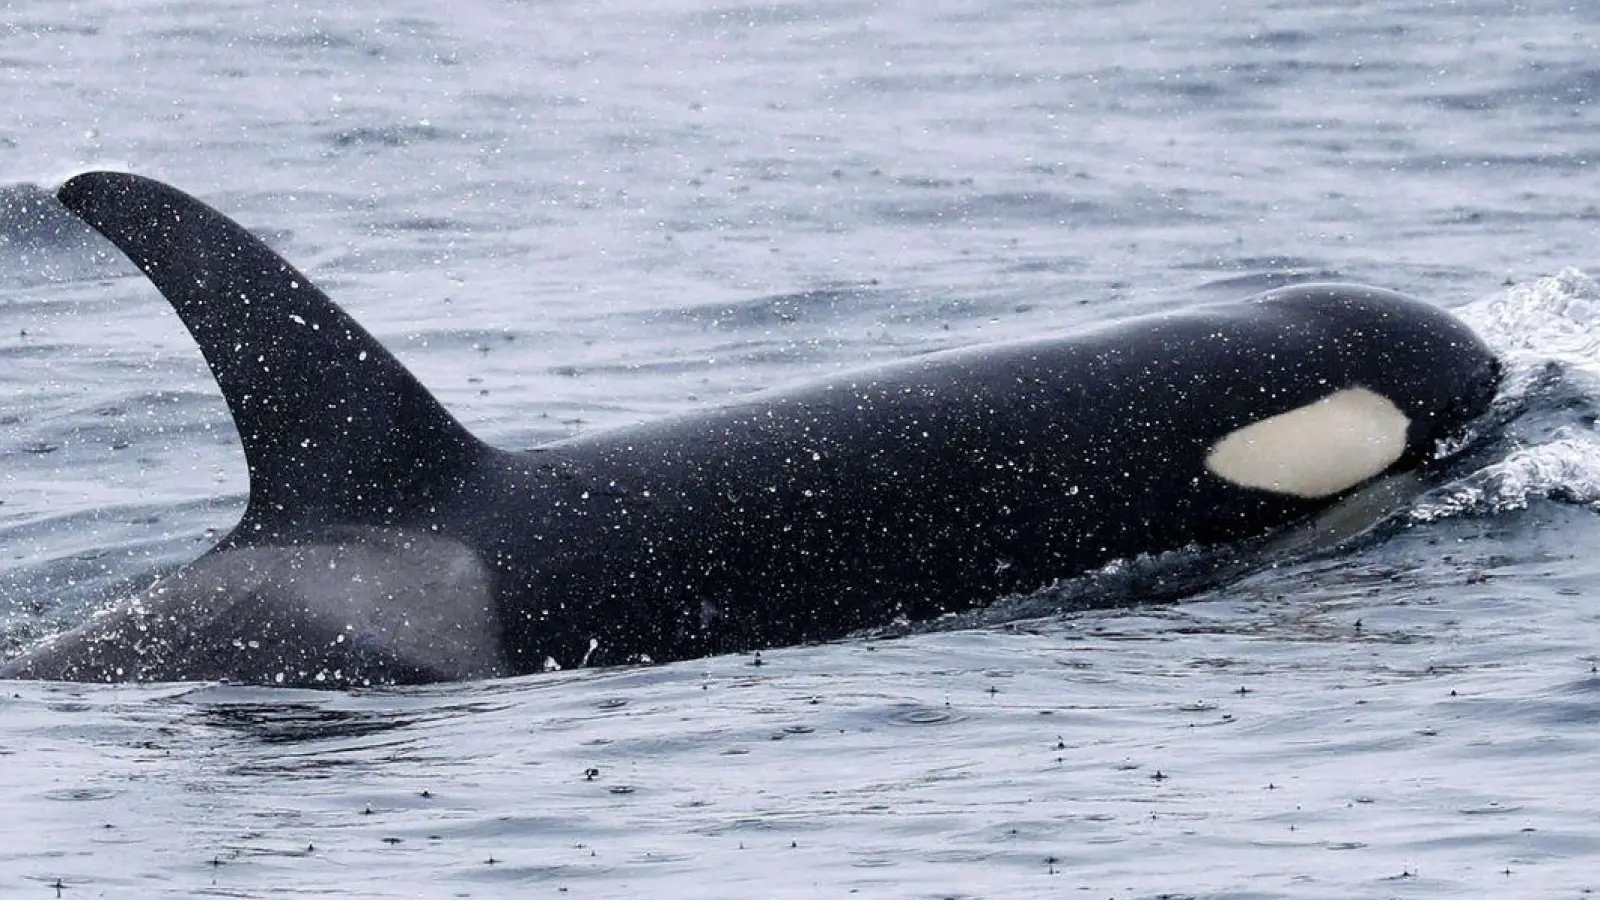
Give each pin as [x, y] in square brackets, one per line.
[334, 428]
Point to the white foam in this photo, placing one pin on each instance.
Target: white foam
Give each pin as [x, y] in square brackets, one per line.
[1567, 466]
[1556, 318]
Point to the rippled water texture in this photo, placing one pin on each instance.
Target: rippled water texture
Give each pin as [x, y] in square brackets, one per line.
[566, 216]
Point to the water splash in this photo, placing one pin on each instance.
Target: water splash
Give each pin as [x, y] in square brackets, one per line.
[1548, 333]
[1556, 318]
[1566, 468]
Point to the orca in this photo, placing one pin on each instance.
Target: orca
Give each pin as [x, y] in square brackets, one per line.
[383, 543]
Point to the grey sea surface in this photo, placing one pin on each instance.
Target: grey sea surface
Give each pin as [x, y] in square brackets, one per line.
[568, 216]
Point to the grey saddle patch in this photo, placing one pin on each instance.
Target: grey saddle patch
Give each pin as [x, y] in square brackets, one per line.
[364, 606]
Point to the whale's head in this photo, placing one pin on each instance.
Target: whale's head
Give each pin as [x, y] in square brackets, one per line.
[1375, 382]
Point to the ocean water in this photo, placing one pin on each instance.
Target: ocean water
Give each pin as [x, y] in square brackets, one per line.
[567, 216]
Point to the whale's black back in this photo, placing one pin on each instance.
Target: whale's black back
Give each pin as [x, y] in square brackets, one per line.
[943, 483]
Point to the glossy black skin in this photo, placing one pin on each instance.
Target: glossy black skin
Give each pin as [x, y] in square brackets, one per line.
[931, 486]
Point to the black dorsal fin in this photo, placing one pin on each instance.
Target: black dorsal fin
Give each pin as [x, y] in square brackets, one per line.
[335, 430]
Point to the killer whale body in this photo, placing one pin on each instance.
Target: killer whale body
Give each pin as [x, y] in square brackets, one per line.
[383, 543]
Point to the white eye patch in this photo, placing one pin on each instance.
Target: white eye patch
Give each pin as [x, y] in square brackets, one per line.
[1317, 450]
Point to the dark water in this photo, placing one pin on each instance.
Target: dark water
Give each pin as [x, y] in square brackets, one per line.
[566, 216]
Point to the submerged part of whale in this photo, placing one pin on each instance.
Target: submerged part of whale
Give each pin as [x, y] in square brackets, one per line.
[383, 543]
